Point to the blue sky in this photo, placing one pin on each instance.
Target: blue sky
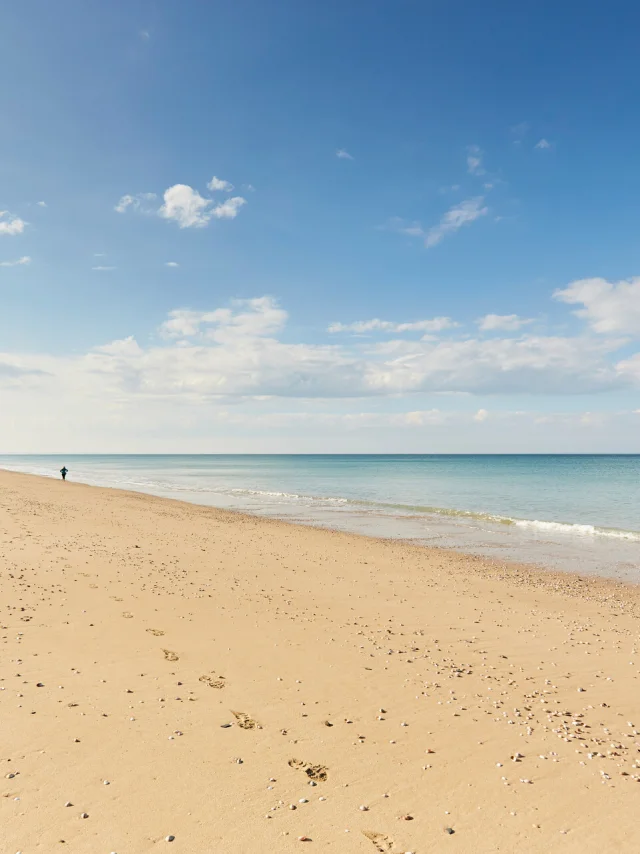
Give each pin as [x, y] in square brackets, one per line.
[392, 226]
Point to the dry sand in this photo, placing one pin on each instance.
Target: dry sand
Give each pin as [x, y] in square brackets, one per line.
[238, 683]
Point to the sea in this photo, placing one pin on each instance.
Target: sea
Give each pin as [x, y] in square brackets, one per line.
[566, 512]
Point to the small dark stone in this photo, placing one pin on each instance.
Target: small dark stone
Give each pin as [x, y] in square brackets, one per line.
[449, 830]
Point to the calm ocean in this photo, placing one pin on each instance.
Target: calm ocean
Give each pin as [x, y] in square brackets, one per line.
[568, 512]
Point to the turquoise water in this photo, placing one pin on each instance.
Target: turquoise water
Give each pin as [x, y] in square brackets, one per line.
[570, 512]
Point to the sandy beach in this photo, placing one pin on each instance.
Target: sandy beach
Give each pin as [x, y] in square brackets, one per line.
[179, 678]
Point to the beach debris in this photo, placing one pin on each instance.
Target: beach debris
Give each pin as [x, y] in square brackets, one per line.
[225, 726]
[157, 633]
[363, 808]
[170, 656]
[449, 830]
[40, 685]
[406, 817]
[243, 720]
[327, 723]
[314, 772]
[304, 839]
[84, 815]
[169, 838]
[68, 804]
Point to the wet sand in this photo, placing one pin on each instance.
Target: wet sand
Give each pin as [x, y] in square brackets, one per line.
[179, 678]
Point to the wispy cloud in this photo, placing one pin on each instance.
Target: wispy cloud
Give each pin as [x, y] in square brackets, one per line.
[140, 202]
[462, 214]
[145, 35]
[502, 322]
[41, 204]
[20, 262]
[474, 161]
[229, 208]
[519, 131]
[434, 324]
[343, 154]
[542, 144]
[608, 307]
[171, 264]
[11, 226]
[101, 268]
[219, 184]
[401, 226]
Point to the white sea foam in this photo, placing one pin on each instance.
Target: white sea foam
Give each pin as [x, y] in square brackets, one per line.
[579, 530]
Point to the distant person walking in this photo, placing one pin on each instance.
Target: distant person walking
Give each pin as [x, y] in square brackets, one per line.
[63, 472]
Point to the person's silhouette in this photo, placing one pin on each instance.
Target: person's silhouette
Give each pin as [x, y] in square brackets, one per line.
[63, 472]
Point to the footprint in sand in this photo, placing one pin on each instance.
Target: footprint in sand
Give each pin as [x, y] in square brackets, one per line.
[117, 598]
[93, 586]
[170, 656]
[127, 615]
[314, 772]
[157, 633]
[383, 843]
[243, 720]
[212, 682]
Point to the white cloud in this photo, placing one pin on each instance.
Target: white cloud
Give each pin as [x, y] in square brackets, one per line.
[103, 268]
[171, 264]
[145, 35]
[239, 352]
[542, 144]
[218, 184]
[139, 202]
[474, 161]
[609, 307]
[12, 226]
[343, 155]
[229, 208]
[186, 206]
[503, 322]
[481, 415]
[462, 214]
[435, 324]
[255, 318]
[41, 204]
[19, 263]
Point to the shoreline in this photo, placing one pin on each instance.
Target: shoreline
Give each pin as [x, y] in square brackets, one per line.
[517, 571]
[515, 524]
[211, 665]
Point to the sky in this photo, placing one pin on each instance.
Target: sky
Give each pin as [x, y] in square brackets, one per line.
[382, 226]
